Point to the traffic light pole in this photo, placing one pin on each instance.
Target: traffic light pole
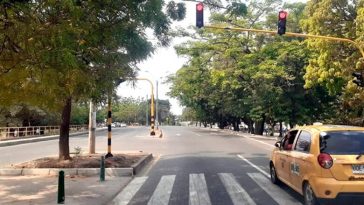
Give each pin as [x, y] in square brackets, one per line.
[291, 34]
[152, 120]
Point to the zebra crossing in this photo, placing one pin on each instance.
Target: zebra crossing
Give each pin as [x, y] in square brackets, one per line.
[199, 191]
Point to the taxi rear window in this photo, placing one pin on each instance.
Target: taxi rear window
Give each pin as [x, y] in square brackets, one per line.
[342, 142]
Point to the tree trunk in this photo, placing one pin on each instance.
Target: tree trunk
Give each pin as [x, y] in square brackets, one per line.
[259, 127]
[64, 150]
[280, 129]
[236, 125]
[272, 128]
[221, 125]
[250, 127]
[92, 128]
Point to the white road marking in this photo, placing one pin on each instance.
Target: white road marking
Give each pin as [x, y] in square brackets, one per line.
[198, 190]
[163, 191]
[198, 134]
[236, 192]
[257, 141]
[272, 190]
[178, 134]
[129, 191]
[255, 166]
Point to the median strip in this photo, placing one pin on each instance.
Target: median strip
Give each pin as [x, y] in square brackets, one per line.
[134, 169]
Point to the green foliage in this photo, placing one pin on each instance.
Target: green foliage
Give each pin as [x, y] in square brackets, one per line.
[334, 62]
[74, 49]
[25, 115]
[53, 52]
[130, 110]
[236, 76]
[80, 114]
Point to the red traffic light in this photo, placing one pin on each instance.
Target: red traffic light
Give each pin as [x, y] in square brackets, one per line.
[199, 7]
[282, 17]
[199, 15]
[283, 14]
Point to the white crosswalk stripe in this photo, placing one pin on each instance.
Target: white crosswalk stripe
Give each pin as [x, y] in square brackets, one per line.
[272, 190]
[235, 191]
[198, 190]
[163, 191]
[129, 191]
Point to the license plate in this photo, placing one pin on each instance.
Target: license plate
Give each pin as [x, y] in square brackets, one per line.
[358, 169]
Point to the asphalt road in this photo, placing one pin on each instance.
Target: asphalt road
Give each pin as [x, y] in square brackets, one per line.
[199, 166]
[26, 152]
[192, 166]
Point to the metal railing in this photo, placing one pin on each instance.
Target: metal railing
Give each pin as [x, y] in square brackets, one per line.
[24, 132]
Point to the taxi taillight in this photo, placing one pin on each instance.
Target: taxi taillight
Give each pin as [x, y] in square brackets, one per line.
[325, 160]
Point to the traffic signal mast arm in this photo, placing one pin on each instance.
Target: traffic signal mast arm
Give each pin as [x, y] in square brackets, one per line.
[152, 95]
[291, 34]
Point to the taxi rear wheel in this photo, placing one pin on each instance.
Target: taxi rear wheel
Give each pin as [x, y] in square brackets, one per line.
[308, 195]
[273, 175]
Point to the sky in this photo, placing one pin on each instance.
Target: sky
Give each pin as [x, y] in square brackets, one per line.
[162, 63]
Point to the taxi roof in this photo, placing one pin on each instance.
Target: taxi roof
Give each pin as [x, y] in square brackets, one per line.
[322, 128]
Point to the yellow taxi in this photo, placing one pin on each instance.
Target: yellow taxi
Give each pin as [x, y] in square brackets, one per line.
[324, 163]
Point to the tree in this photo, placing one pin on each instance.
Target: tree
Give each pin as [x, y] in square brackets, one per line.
[26, 115]
[334, 62]
[234, 77]
[54, 53]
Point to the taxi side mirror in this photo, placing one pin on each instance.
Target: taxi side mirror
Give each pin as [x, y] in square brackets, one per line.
[278, 144]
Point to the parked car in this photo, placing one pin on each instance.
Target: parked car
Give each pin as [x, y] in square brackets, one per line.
[324, 163]
[122, 125]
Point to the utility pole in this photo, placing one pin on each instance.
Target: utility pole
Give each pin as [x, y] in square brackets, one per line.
[91, 128]
[156, 107]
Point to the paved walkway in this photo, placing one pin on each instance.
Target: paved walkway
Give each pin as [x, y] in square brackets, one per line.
[36, 190]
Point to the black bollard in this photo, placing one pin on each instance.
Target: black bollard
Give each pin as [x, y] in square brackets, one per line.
[60, 198]
[102, 169]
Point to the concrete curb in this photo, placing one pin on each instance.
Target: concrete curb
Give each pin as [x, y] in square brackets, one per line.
[112, 172]
[137, 167]
[39, 139]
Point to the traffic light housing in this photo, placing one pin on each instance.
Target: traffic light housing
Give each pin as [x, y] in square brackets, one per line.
[359, 81]
[199, 15]
[282, 18]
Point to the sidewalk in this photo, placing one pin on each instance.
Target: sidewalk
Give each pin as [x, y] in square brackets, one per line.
[39, 190]
[267, 137]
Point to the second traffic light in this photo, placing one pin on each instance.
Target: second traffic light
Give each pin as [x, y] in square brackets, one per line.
[199, 15]
[282, 18]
